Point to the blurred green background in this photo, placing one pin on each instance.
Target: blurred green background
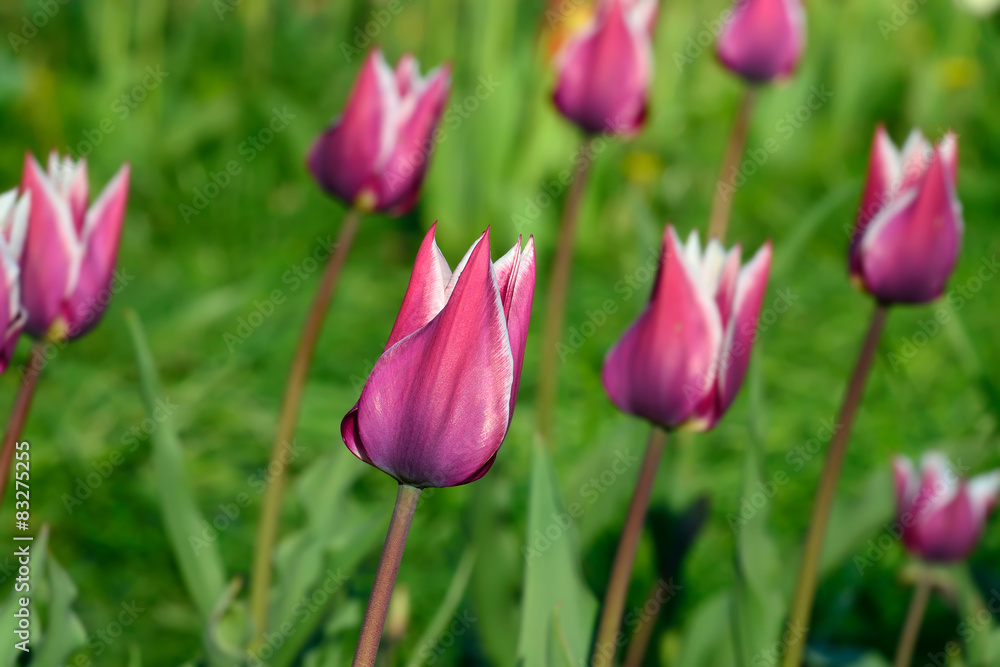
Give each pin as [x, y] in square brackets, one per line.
[226, 67]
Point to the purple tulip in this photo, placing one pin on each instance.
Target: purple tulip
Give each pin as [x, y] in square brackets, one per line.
[70, 249]
[375, 154]
[909, 229]
[604, 69]
[941, 516]
[682, 362]
[439, 401]
[762, 39]
[14, 212]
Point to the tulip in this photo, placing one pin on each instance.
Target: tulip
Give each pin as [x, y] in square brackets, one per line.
[439, 400]
[762, 39]
[13, 225]
[941, 516]
[604, 68]
[682, 362]
[70, 249]
[909, 228]
[374, 156]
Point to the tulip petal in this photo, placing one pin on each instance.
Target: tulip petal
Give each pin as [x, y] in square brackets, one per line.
[906, 483]
[664, 365]
[983, 491]
[345, 157]
[741, 329]
[604, 75]
[909, 249]
[425, 295]
[950, 532]
[69, 178]
[51, 249]
[517, 297]
[14, 214]
[437, 404]
[101, 233]
[884, 170]
[763, 39]
[402, 173]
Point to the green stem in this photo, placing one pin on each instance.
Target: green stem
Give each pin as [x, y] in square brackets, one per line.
[555, 311]
[621, 572]
[722, 200]
[19, 412]
[805, 589]
[914, 618]
[267, 529]
[385, 576]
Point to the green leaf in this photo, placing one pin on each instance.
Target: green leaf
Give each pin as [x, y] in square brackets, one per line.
[198, 559]
[438, 624]
[557, 602]
[705, 642]
[64, 633]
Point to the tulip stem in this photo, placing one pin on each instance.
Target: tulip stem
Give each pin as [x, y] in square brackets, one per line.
[914, 618]
[805, 589]
[267, 529]
[722, 200]
[19, 413]
[607, 642]
[385, 576]
[555, 311]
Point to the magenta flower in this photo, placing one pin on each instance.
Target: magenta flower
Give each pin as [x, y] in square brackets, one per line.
[909, 229]
[14, 212]
[941, 516]
[375, 154]
[604, 69]
[682, 362]
[762, 39]
[70, 250]
[439, 401]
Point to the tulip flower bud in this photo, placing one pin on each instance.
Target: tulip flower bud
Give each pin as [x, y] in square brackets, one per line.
[604, 68]
[439, 400]
[374, 156]
[682, 362]
[14, 212]
[70, 249]
[762, 39]
[909, 229]
[941, 516]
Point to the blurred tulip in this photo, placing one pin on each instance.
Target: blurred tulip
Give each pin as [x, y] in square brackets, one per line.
[14, 213]
[69, 251]
[439, 401]
[682, 362]
[941, 517]
[909, 229]
[762, 39]
[375, 154]
[604, 69]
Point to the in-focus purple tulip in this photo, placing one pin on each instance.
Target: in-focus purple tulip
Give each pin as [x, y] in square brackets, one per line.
[762, 40]
[14, 212]
[70, 247]
[909, 228]
[439, 401]
[604, 69]
[682, 362]
[374, 155]
[940, 515]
